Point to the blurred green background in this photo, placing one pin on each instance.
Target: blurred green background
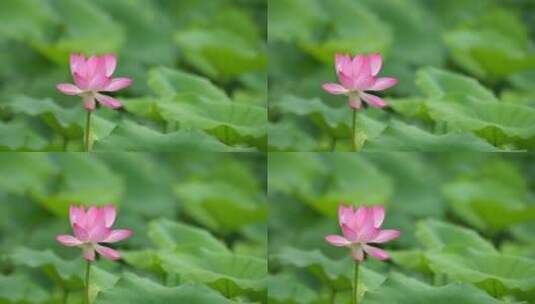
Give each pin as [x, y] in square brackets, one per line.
[199, 222]
[198, 69]
[466, 72]
[467, 218]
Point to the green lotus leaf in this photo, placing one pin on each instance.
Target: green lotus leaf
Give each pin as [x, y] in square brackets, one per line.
[496, 273]
[404, 290]
[134, 289]
[231, 274]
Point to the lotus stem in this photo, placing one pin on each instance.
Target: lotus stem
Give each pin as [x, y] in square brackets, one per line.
[87, 133]
[87, 277]
[355, 295]
[354, 133]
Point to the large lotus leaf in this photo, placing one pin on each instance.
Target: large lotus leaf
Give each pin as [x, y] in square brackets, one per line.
[220, 52]
[134, 289]
[20, 289]
[337, 273]
[287, 135]
[86, 28]
[27, 172]
[82, 179]
[231, 274]
[286, 288]
[69, 122]
[495, 273]
[414, 33]
[20, 136]
[402, 137]
[494, 216]
[294, 20]
[498, 122]
[436, 83]
[130, 136]
[435, 235]
[25, 19]
[495, 45]
[232, 123]
[336, 121]
[167, 82]
[295, 172]
[411, 259]
[166, 234]
[487, 194]
[353, 29]
[404, 290]
[70, 273]
[138, 171]
[370, 185]
[227, 46]
[146, 259]
[203, 202]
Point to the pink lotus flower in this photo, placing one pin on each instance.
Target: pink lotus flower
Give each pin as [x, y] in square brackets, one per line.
[92, 227]
[92, 76]
[361, 227]
[357, 75]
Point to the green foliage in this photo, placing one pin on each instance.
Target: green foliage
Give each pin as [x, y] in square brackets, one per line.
[465, 221]
[192, 254]
[219, 63]
[464, 70]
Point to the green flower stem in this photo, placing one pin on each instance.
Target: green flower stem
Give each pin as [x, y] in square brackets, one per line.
[87, 133]
[354, 133]
[355, 294]
[87, 271]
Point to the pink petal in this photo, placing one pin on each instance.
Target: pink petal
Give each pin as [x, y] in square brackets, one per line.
[334, 88]
[117, 235]
[373, 100]
[363, 79]
[117, 83]
[357, 65]
[336, 240]
[98, 82]
[360, 215]
[376, 61]
[375, 252]
[89, 253]
[378, 215]
[109, 214]
[385, 236]
[357, 254]
[354, 102]
[80, 81]
[108, 253]
[108, 101]
[345, 80]
[383, 83]
[80, 233]
[348, 233]
[366, 230]
[76, 214]
[110, 62]
[68, 240]
[98, 233]
[77, 63]
[91, 217]
[91, 66]
[345, 214]
[69, 89]
[341, 61]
